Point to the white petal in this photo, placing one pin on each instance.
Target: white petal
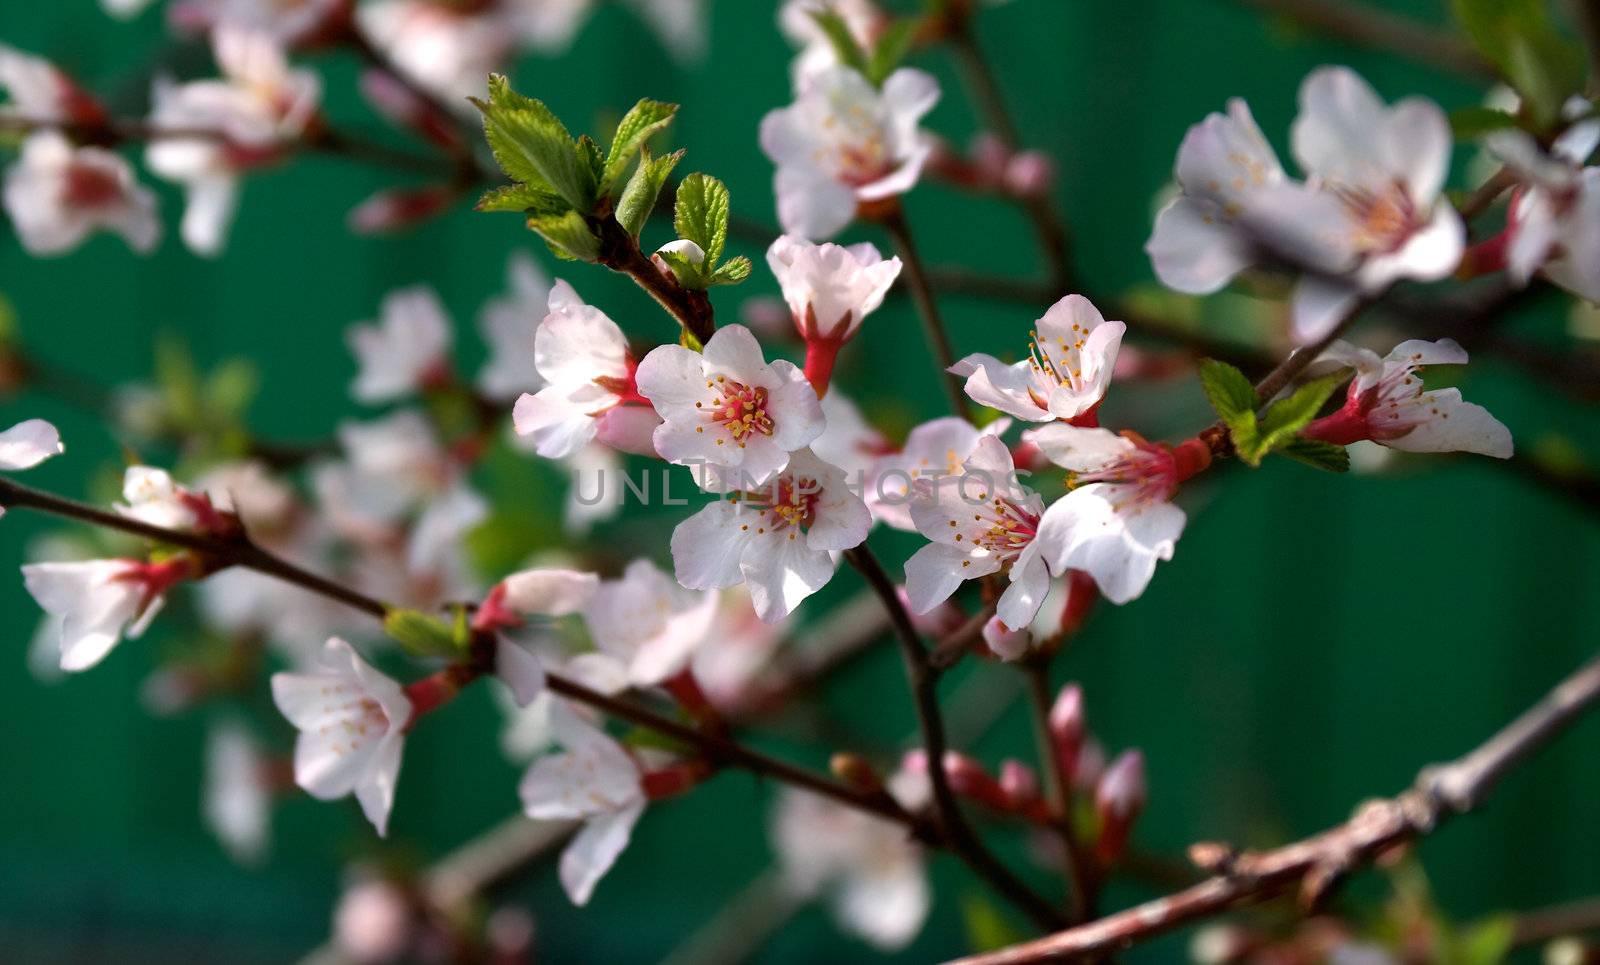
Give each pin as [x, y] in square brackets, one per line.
[595, 849]
[992, 383]
[1319, 305]
[937, 570]
[1194, 249]
[549, 592]
[520, 670]
[707, 547]
[29, 443]
[1030, 583]
[1456, 426]
[781, 572]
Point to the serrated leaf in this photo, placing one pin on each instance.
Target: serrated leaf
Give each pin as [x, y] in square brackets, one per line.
[1469, 123]
[1317, 454]
[844, 42]
[701, 215]
[731, 272]
[419, 633]
[642, 122]
[533, 146]
[891, 49]
[643, 190]
[522, 198]
[1518, 38]
[589, 153]
[568, 236]
[1287, 416]
[1230, 392]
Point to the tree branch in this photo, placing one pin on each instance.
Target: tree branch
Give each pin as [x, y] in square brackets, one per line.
[957, 833]
[927, 308]
[1316, 864]
[1368, 26]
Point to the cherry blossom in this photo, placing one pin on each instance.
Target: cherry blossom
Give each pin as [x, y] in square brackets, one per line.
[849, 442]
[237, 800]
[95, 604]
[1554, 221]
[871, 870]
[288, 22]
[590, 390]
[151, 496]
[258, 106]
[1370, 211]
[933, 450]
[981, 521]
[648, 624]
[1388, 404]
[352, 721]
[829, 289]
[406, 351]
[27, 444]
[57, 194]
[593, 780]
[1118, 519]
[780, 540]
[796, 18]
[734, 662]
[40, 91]
[1069, 366]
[509, 325]
[728, 407]
[843, 143]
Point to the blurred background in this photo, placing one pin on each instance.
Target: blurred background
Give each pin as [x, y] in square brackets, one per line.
[1315, 640]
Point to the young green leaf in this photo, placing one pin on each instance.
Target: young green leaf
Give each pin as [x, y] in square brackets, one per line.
[1518, 37]
[701, 215]
[641, 122]
[419, 633]
[1231, 394]
[1317, 454]
[891, 49]
[568, 236]
[690, 274]
[844, 42]
[521, 197]
[644, 189]
[533, 146]
[1470, 123]
[731, 272]
[1287, 416]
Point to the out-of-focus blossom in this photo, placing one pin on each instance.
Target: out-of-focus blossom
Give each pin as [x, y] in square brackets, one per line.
[509, 324]
[40, 91]
[97, 603]
[1554, 221]
[57, 195]
[237, 801]
[647, 623]
[406, 351]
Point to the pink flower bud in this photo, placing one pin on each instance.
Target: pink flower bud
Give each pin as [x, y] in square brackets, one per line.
[1019, 782]
[1029, 174]
[372, 922]
[989, 156]
[1091, 764]
[969, 779]
[1004, 642]
[397, 102]
[399, 208]
[1118, 800]
[1066, 723]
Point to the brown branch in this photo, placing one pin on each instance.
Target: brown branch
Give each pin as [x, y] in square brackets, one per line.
[916, 275]
[1368, 26]
[1545, 924]
[1317, 864]
[690, 307]
[1058, 792]
[957, 833]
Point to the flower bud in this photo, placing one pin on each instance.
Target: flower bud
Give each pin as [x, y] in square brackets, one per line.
[1066, 724]
[854, 770]
[397, 209]
[372, 922]
[1029, 174]
[989, 156]
[401, 105]
[941, 621]
[1091, 765]
[1219, 945]
[968, 779]
[1004, 642]
[690, 252]
[1118, 800]
[1019, 782]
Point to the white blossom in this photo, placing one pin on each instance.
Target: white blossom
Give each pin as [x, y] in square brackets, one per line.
[96, 603]
[406, 351]
[1554, 221]
[647, 623]
[1070, 361]
[237, 795]
[57, 194]
[829, 288]
[509, 325]
[27, 444]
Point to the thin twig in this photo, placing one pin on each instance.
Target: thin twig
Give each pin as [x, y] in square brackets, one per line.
[1544, 924]
[1316, 864]
[927, 308]
[1058, 792]
[957, 833]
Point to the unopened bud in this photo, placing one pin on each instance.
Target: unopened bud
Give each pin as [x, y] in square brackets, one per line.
[1219, 945]
[1066, 724]
[1091, 765]
[397, 209]
[509, 933]
[683, 247]
[1019, 782]
[1004, 642]
[1570, 951]
[989, 156]
[1029, 174]
[969, 779]
[1081, 596]
[941, 621]
[854, 770]
[1118, 800]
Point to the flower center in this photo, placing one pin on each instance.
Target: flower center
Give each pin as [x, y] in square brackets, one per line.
[740, 409]
[1148, 474]
[789, 503]
[1383, 220]
[1056, 363]
[1008, 528]
[90, 186]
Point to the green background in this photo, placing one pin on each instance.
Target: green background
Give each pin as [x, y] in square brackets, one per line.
[1314, 641]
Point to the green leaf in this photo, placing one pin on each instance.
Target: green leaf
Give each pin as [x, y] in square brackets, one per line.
[533, 146]
[1486, 942]
[179, 380]
[522, 198]
[701, 215]
[731, 272]
[642, 122]
[230, 388]
[589, 153]
[1287, 416]
[420, 634]
[643, 190]
[843, 41]
[1518, 38]
[891, 49]
[1231, 394]
[690, 274]
[1469, 123]
[1317, 454]
[568, 236]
